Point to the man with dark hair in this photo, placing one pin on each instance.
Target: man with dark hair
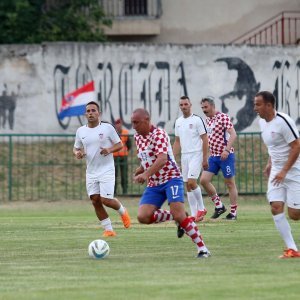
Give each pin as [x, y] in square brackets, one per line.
[281, 136]
[96, 141]
[191, 140]
[221, 136]
[159, 169]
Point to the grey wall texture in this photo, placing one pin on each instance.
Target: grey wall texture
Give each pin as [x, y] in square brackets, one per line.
[35, 78]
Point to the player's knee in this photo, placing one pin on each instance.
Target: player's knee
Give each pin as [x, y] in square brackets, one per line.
[294, 216]
[276, 209]
[191, 186]
[230, 184]
[203, 181]
[143, 219]
[96, 200]
[105, 201]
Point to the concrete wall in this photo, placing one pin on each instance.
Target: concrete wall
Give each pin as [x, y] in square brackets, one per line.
[194, 21]
[202, 21]
[34, 79]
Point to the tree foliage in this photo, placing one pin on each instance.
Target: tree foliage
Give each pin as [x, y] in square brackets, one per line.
[36, 21]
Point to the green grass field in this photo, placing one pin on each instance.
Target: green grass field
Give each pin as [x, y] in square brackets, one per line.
[43, 255]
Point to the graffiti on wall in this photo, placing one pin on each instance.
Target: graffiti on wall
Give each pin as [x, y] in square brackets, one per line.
[8, 103]
[287, 88]
[136, 85]
[244, 87]
[150, 85]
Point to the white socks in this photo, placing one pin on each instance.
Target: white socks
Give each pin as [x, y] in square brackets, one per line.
[198, 196]
[284, 229]
[121, 210]
[106, 224]
[193, 203]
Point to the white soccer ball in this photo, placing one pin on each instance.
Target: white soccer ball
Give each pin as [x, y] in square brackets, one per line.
[98, 249]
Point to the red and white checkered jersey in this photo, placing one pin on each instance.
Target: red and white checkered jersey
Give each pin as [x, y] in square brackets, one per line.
[148, 147]
[218, 136]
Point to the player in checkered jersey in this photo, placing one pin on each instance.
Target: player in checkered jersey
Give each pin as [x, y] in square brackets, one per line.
[164, 182]
[281, 136]
[221, 136]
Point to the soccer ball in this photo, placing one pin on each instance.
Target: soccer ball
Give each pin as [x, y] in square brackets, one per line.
[98, 249]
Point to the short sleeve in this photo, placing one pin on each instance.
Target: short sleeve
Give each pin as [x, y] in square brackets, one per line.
[201, 127]
[227, 122]
[78, 144]
[161, 142]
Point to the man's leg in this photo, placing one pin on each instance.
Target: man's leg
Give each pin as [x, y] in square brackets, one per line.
[149, 210]
[205, 180]
[102, 216]
[106, 193]
[283, 226]
[228, 169]
[190, 228]
[191, 200]
[233, 195]
[115, 204]
[195, 199]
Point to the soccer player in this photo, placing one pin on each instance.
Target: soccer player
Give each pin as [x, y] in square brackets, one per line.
[221, 136]
[281, 136]
[159, 169]
[191, 140]
[96, 141]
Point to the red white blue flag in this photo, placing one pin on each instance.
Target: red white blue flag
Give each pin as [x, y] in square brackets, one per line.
[73, 104]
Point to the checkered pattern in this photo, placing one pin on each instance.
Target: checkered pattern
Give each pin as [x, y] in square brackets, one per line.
[161, 215]
[217, 137]
[193, 232]
[148, 147]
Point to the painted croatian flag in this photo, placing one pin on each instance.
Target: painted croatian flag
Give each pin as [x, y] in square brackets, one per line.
[73, 104]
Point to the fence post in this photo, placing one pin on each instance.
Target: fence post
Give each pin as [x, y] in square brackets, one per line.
[10, 159]
[282, 29]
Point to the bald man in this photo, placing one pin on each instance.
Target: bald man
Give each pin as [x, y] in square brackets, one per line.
[164, 181]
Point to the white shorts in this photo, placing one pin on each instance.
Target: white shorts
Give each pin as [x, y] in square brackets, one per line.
[103, 187]
[288, 191]
[191, 165]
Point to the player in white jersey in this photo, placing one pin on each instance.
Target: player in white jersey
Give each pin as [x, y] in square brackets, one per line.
[191, 140]
[281, 136]
[97, 141]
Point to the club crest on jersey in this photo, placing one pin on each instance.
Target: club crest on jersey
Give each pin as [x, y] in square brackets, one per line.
[101, 136]
[273, 135]
[191, 126]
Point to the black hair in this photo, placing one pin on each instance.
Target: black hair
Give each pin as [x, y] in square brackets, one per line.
[94, 103]
[268, 97]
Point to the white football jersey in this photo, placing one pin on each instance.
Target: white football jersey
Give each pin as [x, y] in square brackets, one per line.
[277, 134]
[189, 130]
[93, 140]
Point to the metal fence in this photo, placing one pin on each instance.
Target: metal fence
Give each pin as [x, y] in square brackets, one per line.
[42, 167]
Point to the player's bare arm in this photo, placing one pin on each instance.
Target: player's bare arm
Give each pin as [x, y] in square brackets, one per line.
[268, 167]
[230, 142]
[139, 170]
[176, 146]
[114, 148]
[293, 156]
[78, 153]
[204, 150]
[160, 161]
